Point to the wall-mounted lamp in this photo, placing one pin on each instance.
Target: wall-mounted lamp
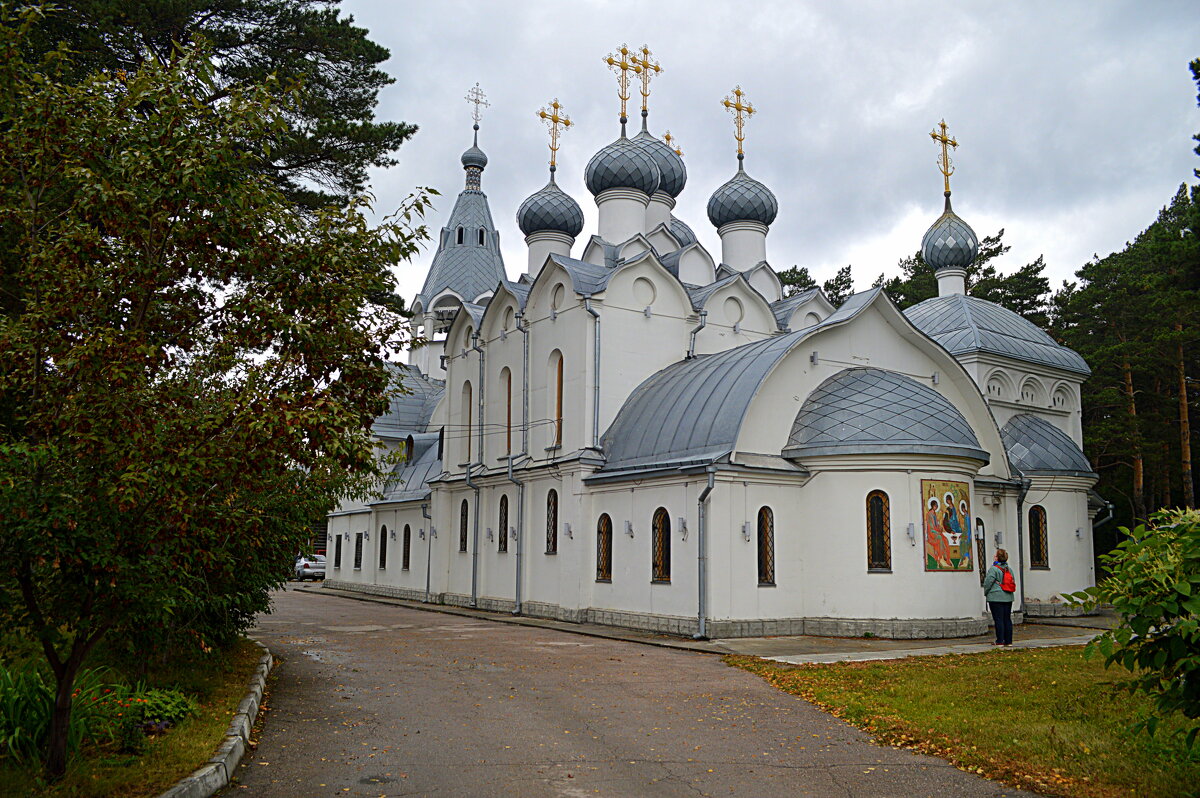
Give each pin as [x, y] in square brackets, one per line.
[366, 535]
[979, 529]
[999, 537]
[936, 378]
[682, 526]
[432, 531]
[911, 531]
[392, 533]
[629, 528]
[567, 529]
[737, 328]
[746, 531]
[647, 312]
[553, 314]
[1079, 533]
[813, 359]
[347, 536]
[421, 533]
[490, 534]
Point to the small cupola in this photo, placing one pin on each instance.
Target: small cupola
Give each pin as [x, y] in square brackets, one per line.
[949, 245]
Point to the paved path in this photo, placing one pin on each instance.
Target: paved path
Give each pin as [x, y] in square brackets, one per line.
[379, 700]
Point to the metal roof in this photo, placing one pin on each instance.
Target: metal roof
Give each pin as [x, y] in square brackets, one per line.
[409, 480]
[672, 172]
[873, 411]
[468, 269]
[949, 242]
[783, 308]
[963, 324]
[682, 232]
[742, 198]
[699, 294]
[1035, 446]
[622, 164]
[550, 208]
[409, 413]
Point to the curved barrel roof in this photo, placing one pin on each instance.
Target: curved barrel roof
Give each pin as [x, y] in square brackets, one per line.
[1035, 446]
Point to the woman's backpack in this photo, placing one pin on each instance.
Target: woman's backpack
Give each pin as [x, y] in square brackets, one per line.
[1007, 583]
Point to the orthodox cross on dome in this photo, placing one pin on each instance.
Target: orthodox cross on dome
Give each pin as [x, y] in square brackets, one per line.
[667, 137]
[477, 97]
[555, 119]
[649, 69]
[741, 113]
[623, 66]
[944, 163]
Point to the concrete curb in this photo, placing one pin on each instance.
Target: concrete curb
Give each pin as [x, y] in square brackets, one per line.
[215, 774]
[935, 651]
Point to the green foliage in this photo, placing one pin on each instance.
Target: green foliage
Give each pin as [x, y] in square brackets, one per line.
[796, 280]
[1155, 586]
[839, 287]
[189, 364]
[329, 138]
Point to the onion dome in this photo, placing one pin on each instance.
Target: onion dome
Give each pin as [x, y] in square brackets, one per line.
[670, 166]
[682, 232]
[742, 199]
[474, 157]
[622, 164]
[550, 208]
[950, 243]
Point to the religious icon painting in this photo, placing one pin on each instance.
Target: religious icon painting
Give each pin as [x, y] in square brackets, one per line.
[947, 509]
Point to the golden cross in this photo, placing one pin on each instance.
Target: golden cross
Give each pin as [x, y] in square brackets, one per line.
[553, 120]
[737, 109]
[649, 69]
[476, 96]
[944, 163]
[623, 66]
[667, 137]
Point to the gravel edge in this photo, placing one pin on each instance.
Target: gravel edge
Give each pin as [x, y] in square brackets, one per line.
[215, 774]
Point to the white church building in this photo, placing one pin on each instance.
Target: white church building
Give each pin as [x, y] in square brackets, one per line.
[640, 433]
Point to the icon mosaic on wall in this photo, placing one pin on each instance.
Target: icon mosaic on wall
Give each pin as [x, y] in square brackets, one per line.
[947, 525]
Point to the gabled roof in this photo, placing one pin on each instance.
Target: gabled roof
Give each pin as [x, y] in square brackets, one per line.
[783, 308]
[409, 480]
[965, 324]
[468, 269]
[409, 413]
[1035, 446]
[699, 294]
[874, 411]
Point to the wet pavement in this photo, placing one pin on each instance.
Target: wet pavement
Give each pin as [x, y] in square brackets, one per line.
[377, 699]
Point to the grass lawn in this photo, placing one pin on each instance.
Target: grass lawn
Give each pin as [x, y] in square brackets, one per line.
[1042, 719]
[218, 682]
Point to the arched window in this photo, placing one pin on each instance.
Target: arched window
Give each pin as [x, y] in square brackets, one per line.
[879, 532]
[506, 384]
[604, 540]
[556, 397]
[383, 537]
[458, 236]
[406, 559]
[552, 522]
[337, 551]
[981, 549]
[358, 551]
[409, 448]
[766, 546]
[481, 235]
[502, 531]
[661, 546]
[463, 512]
[1039, 547]
[468, 407]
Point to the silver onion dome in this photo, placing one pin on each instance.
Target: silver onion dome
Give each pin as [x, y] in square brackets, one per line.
[742, 199]
[622, 164]
[950, 242]
[550, 208]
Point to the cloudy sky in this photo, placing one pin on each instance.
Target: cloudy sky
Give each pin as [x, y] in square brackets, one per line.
[1074, 119]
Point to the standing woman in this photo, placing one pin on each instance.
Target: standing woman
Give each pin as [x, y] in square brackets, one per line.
[999, 586]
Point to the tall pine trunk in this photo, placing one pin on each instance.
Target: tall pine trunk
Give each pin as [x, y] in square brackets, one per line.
[1139, 464]
[1185, 426]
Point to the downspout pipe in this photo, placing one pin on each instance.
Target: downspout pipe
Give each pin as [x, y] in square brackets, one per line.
[1025, 485]
[479, 454]
[428, 547]
[702, 557]
[691, 353]
[520, 483]
[587, 305]
[518, 593]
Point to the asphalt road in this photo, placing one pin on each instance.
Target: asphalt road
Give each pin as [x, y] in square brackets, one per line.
[377, 700]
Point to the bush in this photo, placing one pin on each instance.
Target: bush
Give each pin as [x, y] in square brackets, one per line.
[1155, 586]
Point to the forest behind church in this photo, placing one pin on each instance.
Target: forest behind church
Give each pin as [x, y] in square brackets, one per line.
[1134, 315]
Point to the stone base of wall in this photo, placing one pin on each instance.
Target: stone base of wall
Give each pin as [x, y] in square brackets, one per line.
[1056, 609]
[679, 626]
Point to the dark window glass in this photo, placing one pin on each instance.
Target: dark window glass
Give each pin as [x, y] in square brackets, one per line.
[879, 532]
[458, 239]
[552, 522]
[766, 546]
[661, 546]
[383, 537]
[604, 542]
[1039, 547]
[337, 551]
[407, 550]
[503, 530]
[481, 234]
[357, 550]
[462, 526]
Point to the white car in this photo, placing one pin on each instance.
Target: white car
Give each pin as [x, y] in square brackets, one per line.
[310, 567]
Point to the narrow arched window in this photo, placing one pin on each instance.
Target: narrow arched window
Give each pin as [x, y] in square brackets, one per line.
[661, 545]
[467, 425]
[879, 532]
[502, 523]
[604, 542]
[552, 522]
[337, 552]
[406, 552]
[1039, 546]
[358, 550]
[506, 383]
[481, 235]
[458, 236]
[555, 384]
[766, 546]
[463, 512]
[383, 538]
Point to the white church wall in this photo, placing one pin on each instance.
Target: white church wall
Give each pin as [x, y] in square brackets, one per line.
[736, 316]
[696, 266]
[1070, 556]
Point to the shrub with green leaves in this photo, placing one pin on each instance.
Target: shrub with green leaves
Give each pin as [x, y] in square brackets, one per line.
[1155, 586]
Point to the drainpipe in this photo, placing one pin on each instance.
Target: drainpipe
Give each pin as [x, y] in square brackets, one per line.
[520, 532]
[692, 340]
[587, 305]
[478, 453]
[1025, 485]
[702, 556]
[428, 546]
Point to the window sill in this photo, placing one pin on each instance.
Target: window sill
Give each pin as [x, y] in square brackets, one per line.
[556, 447]
[1039, 567]
[766, 584]
[604, 581]
[552, 553]
[404, 569]
[660, 581]
[879, 570]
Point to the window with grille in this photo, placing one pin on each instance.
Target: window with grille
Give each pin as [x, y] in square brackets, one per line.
[406, 551]
[467, 410]
[383, 535]
[502, 531]
[337, 551]
[879, 532]
[661, 545]
[766, 546]
[1039, 548]
[463, 512]
[358, 550]
[552, 522]
[604, 542]
[506, 379]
